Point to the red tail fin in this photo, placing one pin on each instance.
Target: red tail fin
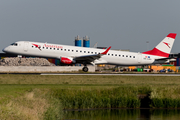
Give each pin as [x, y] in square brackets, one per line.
[163, 49]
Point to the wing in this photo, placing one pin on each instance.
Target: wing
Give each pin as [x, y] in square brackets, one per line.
[91, 58]
[170, 59]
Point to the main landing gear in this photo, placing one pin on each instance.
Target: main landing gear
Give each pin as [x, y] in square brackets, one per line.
[85, 69]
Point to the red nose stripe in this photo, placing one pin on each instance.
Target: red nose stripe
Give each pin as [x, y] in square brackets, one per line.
[172, 35]
[156, 52]
[35, 45]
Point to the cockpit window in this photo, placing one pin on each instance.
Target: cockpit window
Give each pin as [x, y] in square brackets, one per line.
[14, 44]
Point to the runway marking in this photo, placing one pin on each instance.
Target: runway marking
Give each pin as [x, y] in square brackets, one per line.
[114, 74]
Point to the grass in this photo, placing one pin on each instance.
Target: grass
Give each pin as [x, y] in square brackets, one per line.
[20, 95]
[108, 98]
[27, 106]
[30, 103]
[90, 80]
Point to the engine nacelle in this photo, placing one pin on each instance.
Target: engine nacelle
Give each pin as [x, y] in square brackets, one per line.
[66, 60]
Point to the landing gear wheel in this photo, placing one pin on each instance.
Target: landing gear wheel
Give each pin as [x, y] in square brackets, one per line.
[85, 69]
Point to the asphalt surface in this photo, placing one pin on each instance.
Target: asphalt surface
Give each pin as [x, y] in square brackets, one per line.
[112, 74]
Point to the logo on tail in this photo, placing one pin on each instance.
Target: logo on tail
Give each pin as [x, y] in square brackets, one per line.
[167, 44]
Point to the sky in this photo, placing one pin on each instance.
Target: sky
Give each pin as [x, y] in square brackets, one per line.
[122, 24]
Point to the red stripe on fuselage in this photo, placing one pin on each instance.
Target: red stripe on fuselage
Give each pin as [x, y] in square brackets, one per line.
[156, 52]
[36, 46]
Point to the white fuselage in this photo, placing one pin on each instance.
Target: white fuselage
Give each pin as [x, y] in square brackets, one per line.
[113, 57]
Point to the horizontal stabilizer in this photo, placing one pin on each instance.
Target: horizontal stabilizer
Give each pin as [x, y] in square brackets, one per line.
[164, 59]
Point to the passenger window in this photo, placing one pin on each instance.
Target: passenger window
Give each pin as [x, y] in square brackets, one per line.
[126, 55]
[64, 49]
[122, 55]
[54, 48]
[84, 51]
[43, 47]
[108, 54]
[61, 49]
[130, 56]
[133, 56]
[50, 48]
[95, 52]
[76, 50]
[80, 51]
[88, 52]
[72, 50]
[46, 47]
[91, 52]
[115, 54]
[68, 49]
[119, 55]
[57, 48]
[112, 54]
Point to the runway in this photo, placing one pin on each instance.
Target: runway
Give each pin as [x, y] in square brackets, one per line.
[112, 74]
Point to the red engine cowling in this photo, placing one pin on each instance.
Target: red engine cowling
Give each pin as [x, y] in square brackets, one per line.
[67, 61]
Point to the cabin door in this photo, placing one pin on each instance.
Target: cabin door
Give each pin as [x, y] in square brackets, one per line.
[26, 46]
[139, 57]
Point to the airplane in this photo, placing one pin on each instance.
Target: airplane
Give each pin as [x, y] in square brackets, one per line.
[71, 54]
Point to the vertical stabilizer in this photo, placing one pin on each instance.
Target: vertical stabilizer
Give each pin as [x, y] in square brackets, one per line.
[163, 49]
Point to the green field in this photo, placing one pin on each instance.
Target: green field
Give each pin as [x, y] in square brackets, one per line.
[44, 97]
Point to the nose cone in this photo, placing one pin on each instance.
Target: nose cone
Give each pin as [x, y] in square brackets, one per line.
[5, 49]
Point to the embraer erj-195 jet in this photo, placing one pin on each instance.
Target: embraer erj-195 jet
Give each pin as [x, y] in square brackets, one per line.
[72, 55]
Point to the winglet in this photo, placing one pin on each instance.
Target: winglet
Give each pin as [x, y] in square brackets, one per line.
[105, 52]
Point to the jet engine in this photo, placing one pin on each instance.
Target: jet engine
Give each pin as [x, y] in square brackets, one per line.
[67, 60]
